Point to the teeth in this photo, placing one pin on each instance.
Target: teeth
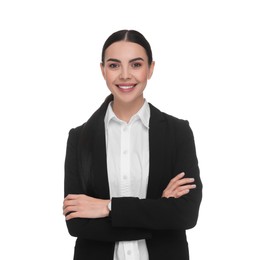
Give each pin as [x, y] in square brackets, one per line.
[126, 87]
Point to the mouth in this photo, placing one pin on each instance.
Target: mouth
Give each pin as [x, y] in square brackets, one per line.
[126, 87]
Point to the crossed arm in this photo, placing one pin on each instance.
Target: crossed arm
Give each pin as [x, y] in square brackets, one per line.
[132, 218]
[83, 206]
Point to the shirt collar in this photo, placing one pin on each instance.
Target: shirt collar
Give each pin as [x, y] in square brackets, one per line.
[143, 114]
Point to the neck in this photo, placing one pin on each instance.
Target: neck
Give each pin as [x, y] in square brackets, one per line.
[124, 111]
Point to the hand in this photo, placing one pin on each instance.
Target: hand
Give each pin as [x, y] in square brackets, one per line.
[178, 186]
[83, 206]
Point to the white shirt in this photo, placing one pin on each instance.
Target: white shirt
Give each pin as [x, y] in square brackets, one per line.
[128, 168]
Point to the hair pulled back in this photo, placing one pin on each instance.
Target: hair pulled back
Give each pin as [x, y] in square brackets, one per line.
[129, 36]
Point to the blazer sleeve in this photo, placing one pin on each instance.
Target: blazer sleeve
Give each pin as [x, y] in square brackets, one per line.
[74, 183]
[166, 213]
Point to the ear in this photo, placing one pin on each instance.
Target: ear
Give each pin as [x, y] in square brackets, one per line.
[102, 70]
[151, 69]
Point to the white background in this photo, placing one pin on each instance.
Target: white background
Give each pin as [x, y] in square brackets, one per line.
[209, 69]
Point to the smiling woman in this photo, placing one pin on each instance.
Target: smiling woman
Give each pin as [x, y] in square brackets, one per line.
[132, 183]
[126, 71]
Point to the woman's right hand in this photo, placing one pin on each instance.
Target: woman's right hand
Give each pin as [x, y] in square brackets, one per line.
[178, 186]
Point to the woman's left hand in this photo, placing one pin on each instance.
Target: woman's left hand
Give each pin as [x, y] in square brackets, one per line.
[178, 186]
[83, 206]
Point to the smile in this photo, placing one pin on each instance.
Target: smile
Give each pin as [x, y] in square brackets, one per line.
[126, 87]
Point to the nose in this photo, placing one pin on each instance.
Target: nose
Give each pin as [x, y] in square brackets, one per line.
[125, 73]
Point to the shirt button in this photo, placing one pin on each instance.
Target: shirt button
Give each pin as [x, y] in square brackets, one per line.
[125, 152]
[125, 177]
[125, 129]
[129, 252]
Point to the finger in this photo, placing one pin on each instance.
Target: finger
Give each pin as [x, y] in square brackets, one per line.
[176, 194]
[72, 215]
[185, 187]
[72, 196]
[179, 191]
[179, 183]
[178, 176]
[69, 209]
[182, 193]
[67, 203]
[175, 179]
[184, 190]
[183, 181]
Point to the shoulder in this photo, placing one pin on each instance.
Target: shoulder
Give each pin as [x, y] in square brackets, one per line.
[170, 120]
[95, 121]
[172, 127]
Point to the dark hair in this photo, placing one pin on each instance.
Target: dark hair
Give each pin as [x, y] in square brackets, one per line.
[129, 36]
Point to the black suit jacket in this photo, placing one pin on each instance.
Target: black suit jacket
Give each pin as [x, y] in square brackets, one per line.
[161, 221]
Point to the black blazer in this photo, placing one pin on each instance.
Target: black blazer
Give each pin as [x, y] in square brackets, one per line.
[161, 221]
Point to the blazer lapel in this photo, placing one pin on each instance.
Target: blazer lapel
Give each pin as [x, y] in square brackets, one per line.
[99, 168]
[94, 162]
[158, 160]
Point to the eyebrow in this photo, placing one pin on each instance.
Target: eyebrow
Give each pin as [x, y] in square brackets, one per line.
[132, 60]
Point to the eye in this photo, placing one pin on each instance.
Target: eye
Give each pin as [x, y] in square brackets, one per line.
[136, 65]
[113, 65]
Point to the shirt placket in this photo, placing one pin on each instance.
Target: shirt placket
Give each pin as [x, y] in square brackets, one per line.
[125, 160]
[128, 247]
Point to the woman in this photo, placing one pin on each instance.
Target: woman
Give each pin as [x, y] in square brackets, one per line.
[132, 184]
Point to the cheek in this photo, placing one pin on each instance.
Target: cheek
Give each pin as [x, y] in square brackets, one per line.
[142, 76]
[109, 77]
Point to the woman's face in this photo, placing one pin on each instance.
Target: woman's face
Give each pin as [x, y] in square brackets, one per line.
[126, 71]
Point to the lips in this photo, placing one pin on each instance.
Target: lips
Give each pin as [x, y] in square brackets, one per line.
[126, 87]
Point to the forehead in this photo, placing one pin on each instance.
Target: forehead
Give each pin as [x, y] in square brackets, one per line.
[125, 50]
